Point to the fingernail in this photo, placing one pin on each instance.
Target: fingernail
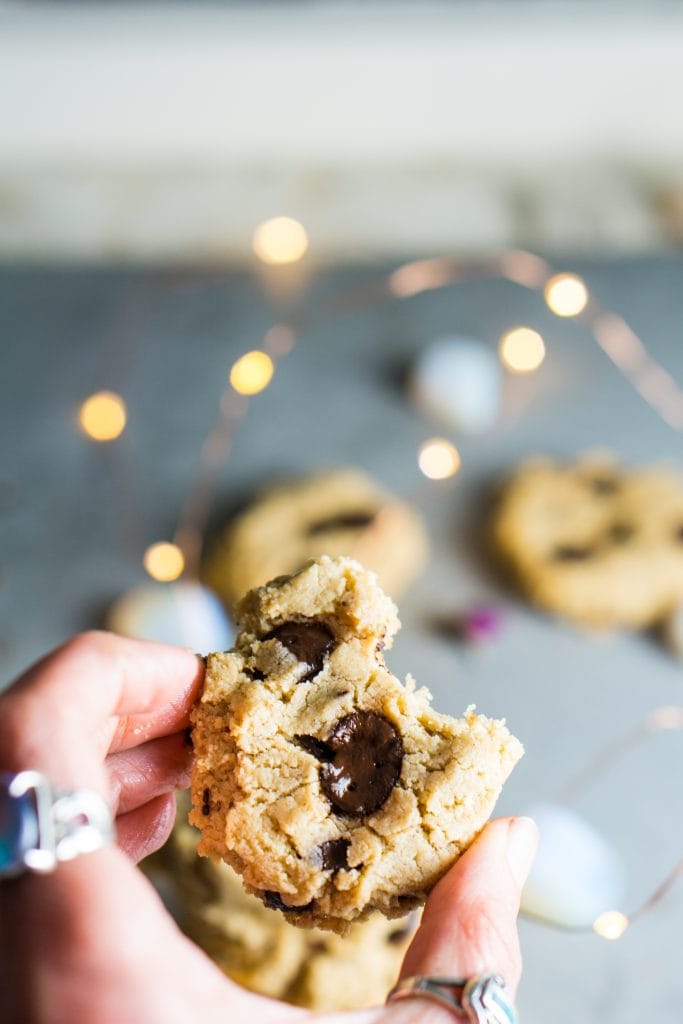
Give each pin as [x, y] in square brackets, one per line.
[521, 847]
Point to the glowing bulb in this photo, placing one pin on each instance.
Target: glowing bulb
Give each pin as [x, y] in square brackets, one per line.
[280, 240]
[566, 295]
[252, 372]
[103, 416]
[610, 925]
[164, 561]
[522, 350]
[438, 459]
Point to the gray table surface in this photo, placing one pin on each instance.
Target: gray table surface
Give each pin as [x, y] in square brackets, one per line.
[76, 518]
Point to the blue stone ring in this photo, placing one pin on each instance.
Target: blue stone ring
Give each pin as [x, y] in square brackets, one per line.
[481, 999]
[42, 824]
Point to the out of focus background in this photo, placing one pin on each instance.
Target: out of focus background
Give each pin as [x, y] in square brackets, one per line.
[244, 242]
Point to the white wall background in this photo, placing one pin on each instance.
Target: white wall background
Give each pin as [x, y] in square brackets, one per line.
[160, 131]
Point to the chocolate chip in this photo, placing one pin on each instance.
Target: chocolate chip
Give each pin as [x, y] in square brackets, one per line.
[206, 801]
[398, 935]
[331, 855]
[344, 521]
[572, 553]
[604, 485]
[274, 901]
[619, 533]
[314, 746]
[206, 810]
[310, 643]
[255, 673]
[367, 754]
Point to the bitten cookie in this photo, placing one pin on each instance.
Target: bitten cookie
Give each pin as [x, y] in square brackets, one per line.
[340, 512]
[593, 541]
[330, 787]
[257, 948]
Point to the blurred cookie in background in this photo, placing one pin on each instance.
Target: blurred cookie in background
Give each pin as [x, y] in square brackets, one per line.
[258, 949]
[337, 512]
[593, 541]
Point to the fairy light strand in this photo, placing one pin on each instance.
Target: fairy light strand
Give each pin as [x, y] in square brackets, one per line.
[611, 333]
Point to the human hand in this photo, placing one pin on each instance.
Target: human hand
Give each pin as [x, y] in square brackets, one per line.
[92, 941]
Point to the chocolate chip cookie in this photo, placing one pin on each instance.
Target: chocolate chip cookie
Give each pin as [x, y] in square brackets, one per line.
[340, 512]
[329, 786]
[257, 948]
[593, 541]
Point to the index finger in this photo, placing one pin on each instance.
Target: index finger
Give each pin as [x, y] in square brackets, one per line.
[112, 691]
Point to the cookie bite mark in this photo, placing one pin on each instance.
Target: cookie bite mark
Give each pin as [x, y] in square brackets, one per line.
[367, 756]
[345, 521]
[310, 643]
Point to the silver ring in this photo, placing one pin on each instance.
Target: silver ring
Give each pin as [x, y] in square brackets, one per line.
[481, 999]
[42, 824]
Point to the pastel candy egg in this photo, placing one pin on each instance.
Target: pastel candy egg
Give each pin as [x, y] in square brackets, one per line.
[673, 630]
[577, 874]
[183, 613]
[458, 380]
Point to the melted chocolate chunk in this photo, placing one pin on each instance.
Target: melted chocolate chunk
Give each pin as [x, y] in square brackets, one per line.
[604, 485]
[572, 553]
[315, 746]
[310, 643]
[619, 533]
[367, 754]
[331, 855]
[344, 521]
[274, 901]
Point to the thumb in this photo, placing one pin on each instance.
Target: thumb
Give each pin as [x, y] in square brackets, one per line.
[469, 925]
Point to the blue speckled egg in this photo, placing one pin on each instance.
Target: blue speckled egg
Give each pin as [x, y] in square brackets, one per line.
[577, 873]
[183, 613]
[458, 380]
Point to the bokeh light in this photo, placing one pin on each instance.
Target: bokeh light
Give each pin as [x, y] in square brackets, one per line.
[610, 925]
[103, 416]
[566, 295]
[164, 561]
[438, 458]
[252, 372]
[522, 350]
[280, 240]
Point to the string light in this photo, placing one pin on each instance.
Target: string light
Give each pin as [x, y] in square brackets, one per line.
[164, 561]
[103, 416]
[566, 295]
[280, 240]
[252, 372]
[610, 925]
[522, 350]
[438, 459]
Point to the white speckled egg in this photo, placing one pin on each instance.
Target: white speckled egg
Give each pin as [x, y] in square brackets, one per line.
[182, 612]
[673, 630]
[458, 380]
[577, 874]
